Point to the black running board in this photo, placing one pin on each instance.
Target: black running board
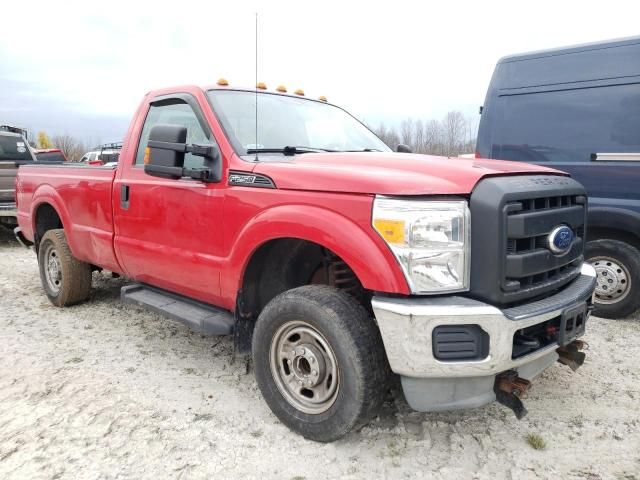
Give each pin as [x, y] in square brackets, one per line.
[198, 316]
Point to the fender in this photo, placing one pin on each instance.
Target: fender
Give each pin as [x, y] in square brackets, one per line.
[47, 194]
[615, 219]
[378, 270]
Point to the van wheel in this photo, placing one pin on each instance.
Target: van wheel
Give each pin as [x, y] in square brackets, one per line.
[65, 279]
[319, 361]
[617, 267]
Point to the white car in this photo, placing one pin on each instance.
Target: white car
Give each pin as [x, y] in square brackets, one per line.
[107, 157]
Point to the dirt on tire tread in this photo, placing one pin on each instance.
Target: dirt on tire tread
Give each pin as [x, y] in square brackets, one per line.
[367, 346]
[77, 284]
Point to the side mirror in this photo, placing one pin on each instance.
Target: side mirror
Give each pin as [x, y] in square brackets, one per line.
[164, 155]
[402, 148]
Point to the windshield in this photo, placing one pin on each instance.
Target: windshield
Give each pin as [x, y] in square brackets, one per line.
[13, 147]
[285, 121]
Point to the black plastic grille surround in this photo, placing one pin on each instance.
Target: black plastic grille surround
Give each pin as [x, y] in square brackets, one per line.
[511, 219]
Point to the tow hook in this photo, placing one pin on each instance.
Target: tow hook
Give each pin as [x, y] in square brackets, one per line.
[510, 389]
[571, 355]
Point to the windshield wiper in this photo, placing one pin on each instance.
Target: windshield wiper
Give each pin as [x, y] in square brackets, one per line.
[288, 150]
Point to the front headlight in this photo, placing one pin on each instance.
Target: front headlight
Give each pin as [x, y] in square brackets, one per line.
[430, 239]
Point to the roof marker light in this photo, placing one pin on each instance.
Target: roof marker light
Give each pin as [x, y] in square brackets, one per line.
[261, 85]
[322, 98]
[299, 92]
[222, 82]
[281, 88]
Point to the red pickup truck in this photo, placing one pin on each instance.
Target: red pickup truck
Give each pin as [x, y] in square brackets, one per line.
[339, 264]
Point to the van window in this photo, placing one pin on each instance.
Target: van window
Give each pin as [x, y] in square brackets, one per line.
[176, 114]
[567, 125]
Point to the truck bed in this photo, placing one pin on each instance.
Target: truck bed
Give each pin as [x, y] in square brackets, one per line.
[82, 195]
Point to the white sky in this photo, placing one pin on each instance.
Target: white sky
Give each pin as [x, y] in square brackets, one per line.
[380, 60]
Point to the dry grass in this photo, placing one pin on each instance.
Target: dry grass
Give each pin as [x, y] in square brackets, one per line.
[536, 441]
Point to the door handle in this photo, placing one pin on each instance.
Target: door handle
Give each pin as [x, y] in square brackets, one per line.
[124, 197]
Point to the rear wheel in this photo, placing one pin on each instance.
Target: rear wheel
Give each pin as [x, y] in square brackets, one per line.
[617, 266]
[65, 279]
[319, 361]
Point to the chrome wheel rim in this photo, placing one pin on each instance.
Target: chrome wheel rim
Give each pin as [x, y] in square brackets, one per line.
[52, 269]
[613, 281]
[304, 367]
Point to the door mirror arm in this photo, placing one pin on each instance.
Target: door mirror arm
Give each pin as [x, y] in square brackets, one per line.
[166, 148]
[212, 171]
[205, 175]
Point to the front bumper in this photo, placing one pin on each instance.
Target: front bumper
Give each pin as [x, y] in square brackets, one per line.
[429, 384]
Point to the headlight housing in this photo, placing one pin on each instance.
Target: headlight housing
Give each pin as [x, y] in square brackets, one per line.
[430, 239]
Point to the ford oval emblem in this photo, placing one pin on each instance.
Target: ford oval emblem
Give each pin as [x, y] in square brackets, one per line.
[560, 239]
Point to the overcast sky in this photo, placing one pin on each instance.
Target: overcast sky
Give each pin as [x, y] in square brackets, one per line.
[82, 67]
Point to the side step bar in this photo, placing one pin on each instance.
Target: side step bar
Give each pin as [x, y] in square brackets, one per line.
[198, 316]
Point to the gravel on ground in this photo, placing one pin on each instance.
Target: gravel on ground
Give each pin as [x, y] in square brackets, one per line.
[104, 390]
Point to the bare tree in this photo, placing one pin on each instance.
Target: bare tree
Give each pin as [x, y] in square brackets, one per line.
[451, 136]
[72, 148]
[407, 133]
[454, 132]
[388, 135]
[418, 142]
[433, 138]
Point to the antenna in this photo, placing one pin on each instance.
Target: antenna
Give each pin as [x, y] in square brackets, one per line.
[256, 87]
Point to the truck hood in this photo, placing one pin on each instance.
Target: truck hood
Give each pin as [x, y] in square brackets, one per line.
[387, 173]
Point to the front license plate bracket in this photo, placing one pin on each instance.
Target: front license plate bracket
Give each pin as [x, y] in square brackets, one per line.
[572, 323]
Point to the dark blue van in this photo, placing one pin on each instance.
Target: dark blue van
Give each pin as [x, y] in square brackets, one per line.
[577, 109]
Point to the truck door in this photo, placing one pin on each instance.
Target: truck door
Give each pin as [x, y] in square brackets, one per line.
[169, 232]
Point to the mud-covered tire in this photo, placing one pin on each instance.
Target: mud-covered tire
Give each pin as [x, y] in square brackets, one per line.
[65, 279]
[352, 341]
[617, 267]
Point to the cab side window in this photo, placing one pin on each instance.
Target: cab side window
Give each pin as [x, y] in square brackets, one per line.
[178, 113]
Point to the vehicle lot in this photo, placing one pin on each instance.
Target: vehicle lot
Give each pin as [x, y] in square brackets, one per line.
[106, 390]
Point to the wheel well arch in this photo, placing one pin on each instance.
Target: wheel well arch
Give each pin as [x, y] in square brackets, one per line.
[284, 263]
[600, 233]
[614, 223]
[46, 218]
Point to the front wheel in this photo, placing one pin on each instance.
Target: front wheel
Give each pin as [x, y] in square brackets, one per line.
[319, 361]
[65, 279]
[617, 266]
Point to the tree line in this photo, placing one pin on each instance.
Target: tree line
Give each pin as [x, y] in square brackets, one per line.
[72, 148]
[451, 136]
